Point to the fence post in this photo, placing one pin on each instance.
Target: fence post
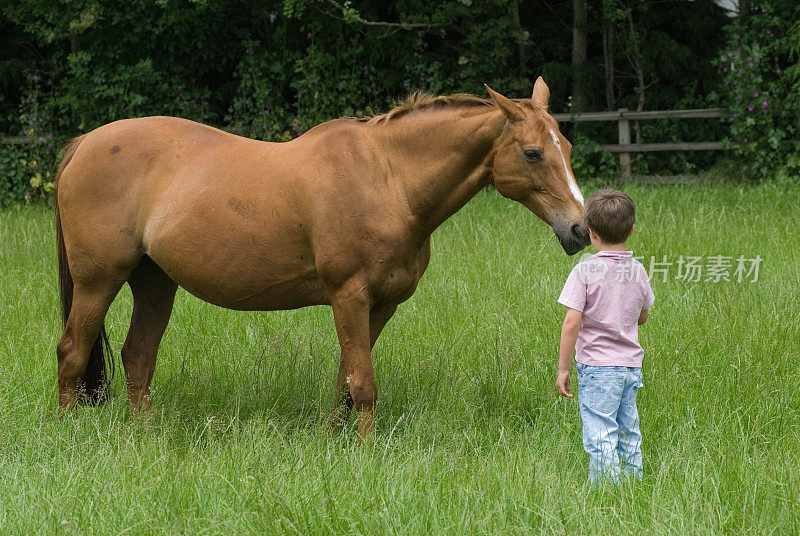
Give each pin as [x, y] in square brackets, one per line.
[624, 139]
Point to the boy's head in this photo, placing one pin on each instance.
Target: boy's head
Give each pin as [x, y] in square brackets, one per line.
[610, 214]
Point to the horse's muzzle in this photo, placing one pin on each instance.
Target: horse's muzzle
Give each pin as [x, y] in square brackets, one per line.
[573, 238]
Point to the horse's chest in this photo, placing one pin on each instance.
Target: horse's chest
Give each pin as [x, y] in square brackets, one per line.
[395, 284]
[388, 262]
[395, 276]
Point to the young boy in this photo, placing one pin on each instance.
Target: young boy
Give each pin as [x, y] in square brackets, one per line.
[607, 296]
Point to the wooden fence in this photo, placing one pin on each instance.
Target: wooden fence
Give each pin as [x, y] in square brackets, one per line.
[623, 117]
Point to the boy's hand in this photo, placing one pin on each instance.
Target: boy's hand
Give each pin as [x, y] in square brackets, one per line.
[569, 334]
[562, 382]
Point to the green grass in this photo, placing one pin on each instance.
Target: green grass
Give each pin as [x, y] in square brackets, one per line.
[471, 435]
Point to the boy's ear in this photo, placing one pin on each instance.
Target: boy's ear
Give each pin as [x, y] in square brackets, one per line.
[632, 228]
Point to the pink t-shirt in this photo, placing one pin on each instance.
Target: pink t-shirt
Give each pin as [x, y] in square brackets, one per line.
[611, 289]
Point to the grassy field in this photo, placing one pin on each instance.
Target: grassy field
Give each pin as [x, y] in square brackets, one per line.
[471, 435]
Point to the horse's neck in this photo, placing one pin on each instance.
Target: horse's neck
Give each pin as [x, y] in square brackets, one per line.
[446, 161]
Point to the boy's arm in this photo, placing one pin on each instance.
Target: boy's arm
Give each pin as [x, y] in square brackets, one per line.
[569, 334]
[649, 297]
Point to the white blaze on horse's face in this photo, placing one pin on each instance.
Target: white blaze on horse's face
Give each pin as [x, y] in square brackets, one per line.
[573, 186]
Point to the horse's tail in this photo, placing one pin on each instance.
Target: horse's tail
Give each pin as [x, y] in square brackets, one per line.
[94, 382]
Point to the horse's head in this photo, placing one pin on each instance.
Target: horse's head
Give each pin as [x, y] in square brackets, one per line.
[532, 166]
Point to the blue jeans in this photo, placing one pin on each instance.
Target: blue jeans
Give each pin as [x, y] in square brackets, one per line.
[611, 436]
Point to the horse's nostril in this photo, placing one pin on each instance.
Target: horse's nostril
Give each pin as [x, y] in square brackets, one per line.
[578, 231]
[573, 238]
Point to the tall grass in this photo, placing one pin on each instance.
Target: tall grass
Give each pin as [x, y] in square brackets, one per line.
[471, 435]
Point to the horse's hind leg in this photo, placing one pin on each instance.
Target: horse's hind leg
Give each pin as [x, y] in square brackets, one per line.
[90, 304]
[153, 296]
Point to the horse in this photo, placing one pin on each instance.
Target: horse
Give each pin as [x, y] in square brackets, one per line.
[341, 215]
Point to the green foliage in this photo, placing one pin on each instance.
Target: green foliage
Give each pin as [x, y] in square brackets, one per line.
[331, 84]
[40, 156]
[257, 110]
[792, 42]
[677, 44]
[764, 126]
[122, 91]
[590, 160]
[14, 175]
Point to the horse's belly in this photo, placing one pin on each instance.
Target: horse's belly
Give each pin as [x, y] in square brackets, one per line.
[259, 296]
[237, 264]
[244, 285]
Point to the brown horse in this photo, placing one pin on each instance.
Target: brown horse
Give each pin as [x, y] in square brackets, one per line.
[342, 215]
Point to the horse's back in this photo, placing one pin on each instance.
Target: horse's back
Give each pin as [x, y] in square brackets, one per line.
[123, 156]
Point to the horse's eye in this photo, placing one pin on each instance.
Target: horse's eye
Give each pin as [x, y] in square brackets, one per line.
[532, 155]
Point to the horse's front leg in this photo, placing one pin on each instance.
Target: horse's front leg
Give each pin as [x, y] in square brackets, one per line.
[351, 313]
[343, 403]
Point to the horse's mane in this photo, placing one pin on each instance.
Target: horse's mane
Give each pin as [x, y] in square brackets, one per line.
[419, 101]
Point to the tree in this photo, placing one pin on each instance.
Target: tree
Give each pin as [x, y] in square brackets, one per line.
[609, 23]
[579, 43]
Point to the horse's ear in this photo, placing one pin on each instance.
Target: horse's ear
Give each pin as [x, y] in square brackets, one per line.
[541, 93]
[509, 108]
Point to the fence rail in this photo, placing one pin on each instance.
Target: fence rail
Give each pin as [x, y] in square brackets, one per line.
[632, 115]
[623, 117]
[671, 146]
[15, 140]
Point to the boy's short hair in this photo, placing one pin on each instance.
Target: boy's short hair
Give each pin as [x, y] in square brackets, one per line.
[610, 214]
